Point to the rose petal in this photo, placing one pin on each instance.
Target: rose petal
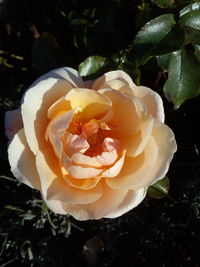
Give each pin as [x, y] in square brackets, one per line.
[92, 103]
[100, 208]
[22, 161]
[132, 200]
[135, 171]
[165, 140]
[57, 128]
[135, 144]
[118, 75]
[126, 112]
[83, 172]
[13, 123]
[83, 184]
[54, 187]
[75, 143]
[152, 100]
[116, 168]
[34, 109]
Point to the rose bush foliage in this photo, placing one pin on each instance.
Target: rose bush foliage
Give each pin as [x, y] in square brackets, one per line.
[92, 148]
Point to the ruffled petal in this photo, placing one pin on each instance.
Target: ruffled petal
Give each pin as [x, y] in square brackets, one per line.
[152, 100]
[22, 161]
[92, 103]
[110, 200]
[135, 171]
[54, 187]
[132, 200]
[13, 123]
[114, 76]
[127, 112]
[166, 143]
[135, 144]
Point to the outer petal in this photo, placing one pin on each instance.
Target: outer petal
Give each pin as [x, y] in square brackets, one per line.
[110, 200]
[54, 187]
[132, 200]
[36, 102]
[22, 161]
[135, 171]
[113, 75]
[40, 96]
[164, 137]
[13, 123]
[152, 100]
[127, 112]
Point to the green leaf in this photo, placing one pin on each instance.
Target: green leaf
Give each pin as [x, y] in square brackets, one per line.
[163, 61]
[190, 22]
[191, 7]
[93, 65]
[197, 51]
[183, 79]
[158, 37]
[159, 189]
[163, 3]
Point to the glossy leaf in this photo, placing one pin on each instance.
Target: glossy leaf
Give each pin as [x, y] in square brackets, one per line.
[190, 22]
[163, 3]
[159, 189]
[163, 61]
[191, 7]
[183, 80]
[197, 51]
[93, 65]
[157, 37]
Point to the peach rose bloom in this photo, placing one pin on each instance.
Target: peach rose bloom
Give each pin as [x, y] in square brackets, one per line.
[91, 148]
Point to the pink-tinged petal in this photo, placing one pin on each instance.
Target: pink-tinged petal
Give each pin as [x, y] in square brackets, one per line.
[135, 144]
[166, 143]
[113, 75]
[110, 200]
[22, 161]
[56, 129]
[74, 143]
[116, 168]
[93, 103]
[83, 184]
[54, 187]
[127, 113]
[13, 123]
[83, 172]
[36, 103]
[152, 100]
[132, 200]
[135, 172]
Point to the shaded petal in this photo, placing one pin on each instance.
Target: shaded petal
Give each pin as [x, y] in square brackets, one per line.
[22, 161]
[166, 143]
[54, 187]
[127, 112]
[98, 209]
[135, 171]
[75, 143]
[152, 100]
[37, 100]
[83, 184]
[56, 129]
[135, 144]
[132, 200]
[13, 123]
[118, 75]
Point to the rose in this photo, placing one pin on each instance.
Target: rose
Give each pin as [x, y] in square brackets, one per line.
[91, 152]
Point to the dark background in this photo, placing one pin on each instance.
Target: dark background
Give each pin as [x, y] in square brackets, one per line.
[36, 36]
